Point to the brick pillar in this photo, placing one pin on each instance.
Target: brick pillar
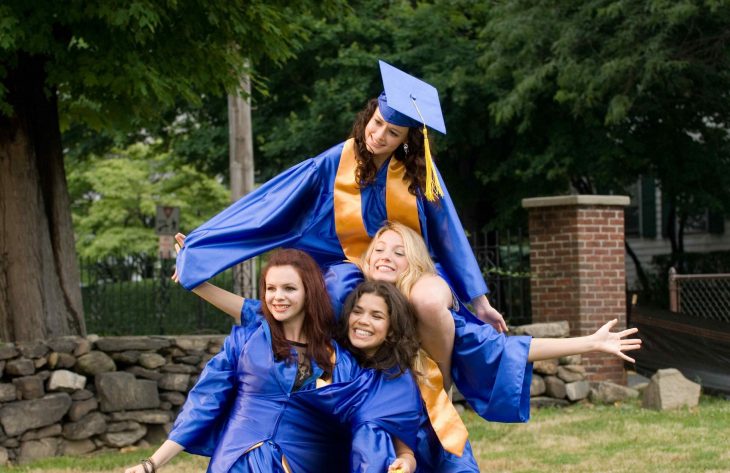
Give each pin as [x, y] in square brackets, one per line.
[577, 267]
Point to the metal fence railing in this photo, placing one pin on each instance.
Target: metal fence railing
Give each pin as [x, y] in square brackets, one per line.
[705, 296]
[134, 295]
[505, 261]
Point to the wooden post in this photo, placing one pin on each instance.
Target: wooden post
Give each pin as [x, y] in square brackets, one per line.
[241, 167]
[673, 295]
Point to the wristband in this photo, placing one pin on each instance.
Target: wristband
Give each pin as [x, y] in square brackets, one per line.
[148, 465]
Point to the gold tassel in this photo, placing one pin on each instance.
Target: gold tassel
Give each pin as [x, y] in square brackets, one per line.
[433, 186]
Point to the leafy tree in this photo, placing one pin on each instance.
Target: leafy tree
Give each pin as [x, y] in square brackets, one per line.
[595, 93]
[308, 103]
[108, 64]
[311, 103]
[114, 199]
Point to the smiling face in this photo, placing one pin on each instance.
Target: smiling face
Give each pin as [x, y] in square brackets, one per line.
[285, 294]
[382, 138]
[388, 259]
[368, 323]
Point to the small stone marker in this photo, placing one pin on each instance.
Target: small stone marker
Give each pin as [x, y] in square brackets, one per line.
[669, 389]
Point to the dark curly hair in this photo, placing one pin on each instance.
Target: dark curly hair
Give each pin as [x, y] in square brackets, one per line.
[414, 161]
[398, 352]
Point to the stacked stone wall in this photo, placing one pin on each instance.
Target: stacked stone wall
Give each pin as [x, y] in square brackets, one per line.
[80, 395]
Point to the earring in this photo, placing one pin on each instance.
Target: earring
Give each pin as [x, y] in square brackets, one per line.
[405, 148]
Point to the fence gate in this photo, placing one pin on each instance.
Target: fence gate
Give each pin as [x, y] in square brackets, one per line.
[505, 261]
[705, 296]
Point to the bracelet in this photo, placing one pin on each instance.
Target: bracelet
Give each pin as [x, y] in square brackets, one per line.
[148, 465]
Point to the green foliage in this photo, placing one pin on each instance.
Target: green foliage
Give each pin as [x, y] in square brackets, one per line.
[605, 90]
[311, 101]
[537, 97]
[114, 199]
[125, 63]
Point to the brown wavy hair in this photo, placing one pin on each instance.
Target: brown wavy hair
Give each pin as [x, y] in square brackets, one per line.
[318, 318]
[398, 352]
[415, 161]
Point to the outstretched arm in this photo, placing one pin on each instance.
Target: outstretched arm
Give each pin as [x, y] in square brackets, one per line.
[603, 340]
[226, 301]
[164, 454]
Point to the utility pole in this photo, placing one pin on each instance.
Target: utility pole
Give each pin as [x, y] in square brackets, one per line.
[241, 169]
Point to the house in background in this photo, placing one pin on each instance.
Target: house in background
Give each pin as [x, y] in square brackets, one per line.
[646, 224]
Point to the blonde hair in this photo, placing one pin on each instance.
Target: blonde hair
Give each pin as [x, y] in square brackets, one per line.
[419, 264]
[419, 260]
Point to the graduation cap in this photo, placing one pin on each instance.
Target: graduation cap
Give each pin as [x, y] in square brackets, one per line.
[408, 101]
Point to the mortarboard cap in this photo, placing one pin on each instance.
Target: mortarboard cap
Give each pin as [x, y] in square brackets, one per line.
[408, 101]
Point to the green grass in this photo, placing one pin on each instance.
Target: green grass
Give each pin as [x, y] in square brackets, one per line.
[622, 438]
[108, 461]
[581, 438]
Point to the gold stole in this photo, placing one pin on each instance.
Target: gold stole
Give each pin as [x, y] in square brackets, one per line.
[446, 421]
[401, 207]
[400, 204]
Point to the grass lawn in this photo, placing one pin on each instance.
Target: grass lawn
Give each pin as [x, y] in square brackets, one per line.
[583, 438]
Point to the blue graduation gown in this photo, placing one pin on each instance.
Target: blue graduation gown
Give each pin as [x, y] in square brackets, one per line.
[432, 458]
[296, 209]
[243, 413]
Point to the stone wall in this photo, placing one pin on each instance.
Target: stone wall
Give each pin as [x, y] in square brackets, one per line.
[555, 382]
[81, 395]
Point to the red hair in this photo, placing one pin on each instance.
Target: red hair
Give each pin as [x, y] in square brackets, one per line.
[318, 314]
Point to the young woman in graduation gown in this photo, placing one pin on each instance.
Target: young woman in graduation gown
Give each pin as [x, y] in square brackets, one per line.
[282, 396]
[331, 205]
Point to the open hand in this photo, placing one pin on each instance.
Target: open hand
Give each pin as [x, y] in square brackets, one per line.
[616, 343]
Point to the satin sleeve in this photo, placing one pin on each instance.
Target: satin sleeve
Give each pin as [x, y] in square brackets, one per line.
[372, 449]
[251, 317]
[389, 407]
[491, 369]
[198, 425]
[276, 214]
[448, 243]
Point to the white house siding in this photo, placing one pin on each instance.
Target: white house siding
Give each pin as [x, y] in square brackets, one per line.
[646, 248]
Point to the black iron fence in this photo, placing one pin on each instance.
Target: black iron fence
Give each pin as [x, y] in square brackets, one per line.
[505, 260]
[134, 295]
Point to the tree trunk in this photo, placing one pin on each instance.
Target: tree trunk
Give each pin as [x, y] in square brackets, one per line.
[241, 173]
[40, 295]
